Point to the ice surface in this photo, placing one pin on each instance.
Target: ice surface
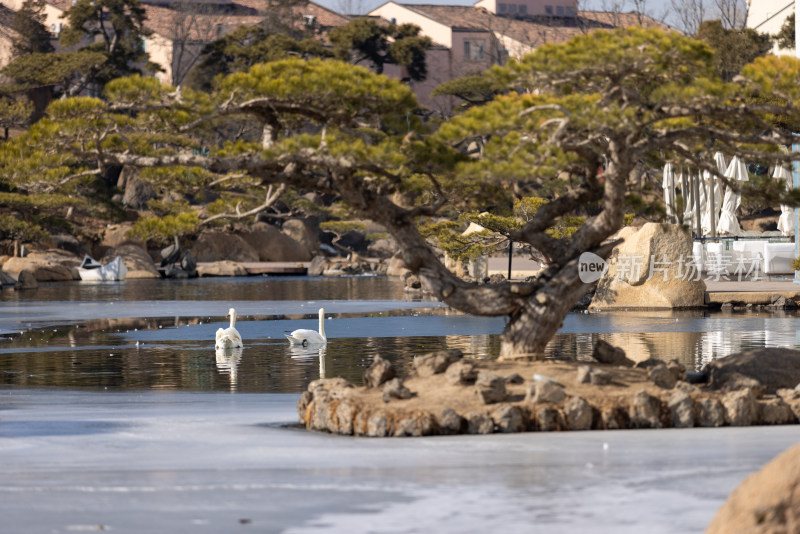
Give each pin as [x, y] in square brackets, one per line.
[214, 462]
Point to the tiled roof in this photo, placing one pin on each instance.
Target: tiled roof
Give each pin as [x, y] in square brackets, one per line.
[532, 31]
[324, 17]
[194, 26]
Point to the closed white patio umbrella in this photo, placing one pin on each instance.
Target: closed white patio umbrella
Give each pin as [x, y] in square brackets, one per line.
[668, 185]
[728, 224]
[786, 220]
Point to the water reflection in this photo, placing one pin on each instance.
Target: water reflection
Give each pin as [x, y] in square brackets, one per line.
[139, 344]
[310, 351]
[228, 363]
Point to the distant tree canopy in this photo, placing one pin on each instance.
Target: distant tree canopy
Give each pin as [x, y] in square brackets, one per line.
[786, 37]
[365, 40]
[248, 46]
[360, 41]
[32, 36]
[620, 102]
[734, 48]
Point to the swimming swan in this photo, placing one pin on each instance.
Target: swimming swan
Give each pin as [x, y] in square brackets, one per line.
[228, 338]
[305, 337]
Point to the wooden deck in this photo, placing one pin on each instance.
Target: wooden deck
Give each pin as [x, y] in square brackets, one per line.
[277, 267]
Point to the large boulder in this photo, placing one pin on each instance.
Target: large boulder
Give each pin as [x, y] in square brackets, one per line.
[767, 502]
[773, 368]
[46, 266]
[215, 245]
[137, 261]
[268, 243]
[137, 193]
[305, 232]
[651, 268]
[116, 234]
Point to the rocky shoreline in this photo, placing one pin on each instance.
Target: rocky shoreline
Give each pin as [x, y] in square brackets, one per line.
[449, 394]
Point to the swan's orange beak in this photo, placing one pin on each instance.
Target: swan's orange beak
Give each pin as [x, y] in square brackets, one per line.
[227, 315]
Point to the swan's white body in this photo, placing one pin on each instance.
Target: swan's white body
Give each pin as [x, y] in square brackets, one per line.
[229, 338]
[303, 336]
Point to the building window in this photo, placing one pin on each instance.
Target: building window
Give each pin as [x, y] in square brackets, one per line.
[475, 49]
[560, 11]
[501, 8]
[512, 8]
[548, 10]
[523, 9]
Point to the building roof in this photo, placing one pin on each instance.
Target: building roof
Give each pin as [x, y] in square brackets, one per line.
[531, 30]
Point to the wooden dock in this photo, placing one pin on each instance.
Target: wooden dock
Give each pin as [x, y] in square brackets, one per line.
[276, 267]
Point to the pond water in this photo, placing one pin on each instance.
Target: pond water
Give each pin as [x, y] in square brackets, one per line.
[159, 334]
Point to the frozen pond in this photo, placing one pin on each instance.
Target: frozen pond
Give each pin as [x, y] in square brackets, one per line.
[159, 334]
[116, 414]
[169, 462]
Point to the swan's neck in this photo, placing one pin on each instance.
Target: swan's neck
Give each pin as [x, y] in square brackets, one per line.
[322, 324]
[233, 319]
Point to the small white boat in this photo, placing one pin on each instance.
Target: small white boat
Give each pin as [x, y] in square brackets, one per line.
[93, 270]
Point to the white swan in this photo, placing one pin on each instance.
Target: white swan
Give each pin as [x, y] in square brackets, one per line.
[305, 337]
[229, 337]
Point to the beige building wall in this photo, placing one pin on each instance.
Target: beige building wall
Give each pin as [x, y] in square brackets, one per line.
[160, 50]
[767, 16]
[560, 8]
[439, 33]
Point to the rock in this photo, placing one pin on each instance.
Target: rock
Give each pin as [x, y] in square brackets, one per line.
[514, 378]
[490, 387]
[461, 373]
[378, 425]
[414, 424]
[115, 235]
[508, 419]
[590, 375]
[27, 280]
[578, 414]
[631, 283]
[599, 377]
[46, 266]
[395, 389]
[548, 419]
[302, 405]
[737, 381]
[774, 368]
[776, 412]
[137, 192]
[614, 418]
[7, 281]
[436, 362]
[661, 376]
[395, 266]
[221, 268]
[379, 372]
[710, 413]
[317, 266]
[584, 374]
[352, 240]
[645, 411]
[604, 352]
[449, 422]
[767, 502]
[741, 408]
[681, 409]
[345, 417]
[778, 302]
[412, 282]
[382, 248]
[479, 423]
[726, 307]
[305, 233]
[216, 245]
[545, 391]
[69, 243]
[137, 261]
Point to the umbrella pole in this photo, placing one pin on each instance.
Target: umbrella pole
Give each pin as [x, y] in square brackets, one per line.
[696, 194]
[712, 205]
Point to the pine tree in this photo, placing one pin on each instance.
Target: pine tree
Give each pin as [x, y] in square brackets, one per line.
[32, 35]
